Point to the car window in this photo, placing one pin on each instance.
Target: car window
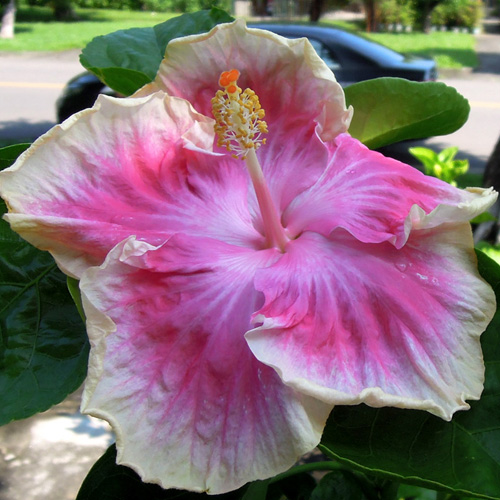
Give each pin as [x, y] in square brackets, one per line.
[350, 58]
[325, 54]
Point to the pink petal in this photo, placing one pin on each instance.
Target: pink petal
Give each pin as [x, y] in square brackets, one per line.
[294, 85]
[297, 90]
[371, 196]
[171, 371]
[349, 322]
[127, 167]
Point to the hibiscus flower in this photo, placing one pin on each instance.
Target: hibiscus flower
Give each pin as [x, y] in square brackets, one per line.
[231, 304]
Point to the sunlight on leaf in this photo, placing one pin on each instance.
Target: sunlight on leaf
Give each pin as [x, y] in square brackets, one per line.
[389, 110]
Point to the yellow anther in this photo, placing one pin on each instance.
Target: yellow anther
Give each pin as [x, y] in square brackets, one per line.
[239, 116]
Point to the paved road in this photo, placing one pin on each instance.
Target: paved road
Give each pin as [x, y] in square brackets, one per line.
[29, 86]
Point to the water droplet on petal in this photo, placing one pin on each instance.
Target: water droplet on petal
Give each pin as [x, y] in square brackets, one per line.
[401, 266]
[423, 277]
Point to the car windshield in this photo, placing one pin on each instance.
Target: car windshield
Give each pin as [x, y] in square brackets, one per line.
[372, 50]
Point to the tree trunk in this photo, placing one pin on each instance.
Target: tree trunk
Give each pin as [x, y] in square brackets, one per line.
[315, 10]
[259, 8]
[424, 12]
[8, 20]
[371, 15]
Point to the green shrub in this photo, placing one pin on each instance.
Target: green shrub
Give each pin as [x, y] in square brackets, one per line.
[470, 13]
[463, 13]
[439, 16]
[147, 5]
[396, 12]
[94, 4]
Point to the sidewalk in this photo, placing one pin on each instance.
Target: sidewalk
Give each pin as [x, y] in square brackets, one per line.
[488, 47]
[46, 457]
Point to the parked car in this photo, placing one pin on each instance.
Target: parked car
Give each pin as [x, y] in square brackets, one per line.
[354, 58]
[80, 93]
[351, 57]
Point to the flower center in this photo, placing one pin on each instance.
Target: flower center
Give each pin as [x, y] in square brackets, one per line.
[238, 115]
[239, 128]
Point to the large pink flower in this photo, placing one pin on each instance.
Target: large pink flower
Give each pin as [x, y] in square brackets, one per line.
[217, 353]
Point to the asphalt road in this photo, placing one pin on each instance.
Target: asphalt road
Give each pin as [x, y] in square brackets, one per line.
[31, 82]
[29, 86]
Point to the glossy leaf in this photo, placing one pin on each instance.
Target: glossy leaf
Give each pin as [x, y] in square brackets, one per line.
[74, 290]
[256, 491]
[342, 485]
[409, 492]
[109, 481]
[43, 344]
[128, 59]
[389, 110]
[484, 217]
[44, 347]
[461, 456]
[9, 154]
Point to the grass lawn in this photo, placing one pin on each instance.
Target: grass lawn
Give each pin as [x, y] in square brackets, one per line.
[450, 50]
[36, 30]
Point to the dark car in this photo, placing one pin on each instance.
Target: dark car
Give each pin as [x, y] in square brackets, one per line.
[79, 93]
[352, 58]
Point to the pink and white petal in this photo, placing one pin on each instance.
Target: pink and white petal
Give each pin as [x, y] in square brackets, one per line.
[296, 88]
[371, 196]
[125, 167]
[171, 371]
[304, 104]
[102, 175]
[349, 322]
[292, 167]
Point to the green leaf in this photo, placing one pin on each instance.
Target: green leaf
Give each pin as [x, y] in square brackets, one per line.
[9, 154]
[256, 491]
[44, 348]
[426, 156]
[447, 155]
[342, 485]
[409, 492]
[128, 59]
[43, 344]
[109, 481]
[492, 251]
[414, 447]
[484, 217]
[74, 290]
[388, 110]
